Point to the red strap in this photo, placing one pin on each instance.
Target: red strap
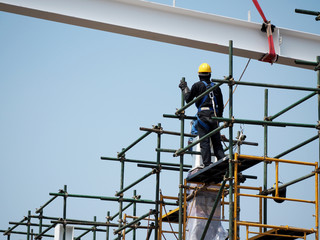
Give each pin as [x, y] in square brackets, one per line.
[270, 57]
[255, 2]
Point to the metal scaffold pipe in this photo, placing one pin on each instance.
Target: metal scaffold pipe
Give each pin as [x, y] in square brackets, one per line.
[265, 164]
[125, 208]
[271, 190]
[136, 182]
[143, 161]
[16, 225]
[182, 150]
[39, 210]
[151, 212]
[268, 85]
[231, 202]
[163, 168]
[46, 230]
[133, 144]
[308, 12]
[104, 198]
[161, 131]
[297, 146]
[267, 123]
[215, 204]
[157, 194]
[182, 121]
[184, 107]
[292, 106]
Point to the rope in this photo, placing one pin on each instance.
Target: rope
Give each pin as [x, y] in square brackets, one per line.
[164, 207]
[244, 70]
[163, 236]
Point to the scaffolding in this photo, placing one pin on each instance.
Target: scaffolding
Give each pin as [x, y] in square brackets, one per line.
[227, 176]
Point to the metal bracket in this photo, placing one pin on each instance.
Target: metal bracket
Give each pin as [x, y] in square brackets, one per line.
[158, 128]
[231, 81]
[267, 119]
[137, 197]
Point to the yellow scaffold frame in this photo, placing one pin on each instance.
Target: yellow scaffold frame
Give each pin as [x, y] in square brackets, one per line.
[274, 229]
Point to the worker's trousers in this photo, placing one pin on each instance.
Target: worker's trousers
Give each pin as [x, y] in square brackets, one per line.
[205, 117]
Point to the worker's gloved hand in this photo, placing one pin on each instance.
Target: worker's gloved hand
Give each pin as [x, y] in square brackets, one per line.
[183, 85]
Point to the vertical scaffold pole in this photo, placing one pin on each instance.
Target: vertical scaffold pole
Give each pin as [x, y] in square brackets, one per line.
[134, 213]
[157, 185]
[28, 225]
[181, 168]
[317, 183]
[64, 211]
[94, 228]
[231, 214]
[265, 166]
[108, 228]
[121, 188]
[40, 222]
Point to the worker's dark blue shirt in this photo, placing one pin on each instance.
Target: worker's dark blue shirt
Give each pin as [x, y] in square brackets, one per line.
[198, 88]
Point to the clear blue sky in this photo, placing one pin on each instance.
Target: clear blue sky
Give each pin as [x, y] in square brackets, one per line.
[70, 95]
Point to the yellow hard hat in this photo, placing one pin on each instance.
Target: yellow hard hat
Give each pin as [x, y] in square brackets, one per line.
[204, 68]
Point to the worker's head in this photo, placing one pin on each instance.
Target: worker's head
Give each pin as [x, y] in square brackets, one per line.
[204, 70]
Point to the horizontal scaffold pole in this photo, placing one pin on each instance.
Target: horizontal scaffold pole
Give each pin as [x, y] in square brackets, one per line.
[25, 233]
[279, 198]
[161, 131]
[267, 85]
[164, 168]
[109, 198]
[267, 123]
[151, 212]
[269, 159]
[136, 182]
[174, 150]
[90, 223]
[175, 116]
[133, 144]
[197, 98]
[292, 106]
[297, 146]
[307, 12]
[56, 218]
[252, 224]
[143, 161]
[86, 223]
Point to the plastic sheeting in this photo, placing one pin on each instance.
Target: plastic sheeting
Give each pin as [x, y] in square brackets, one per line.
[201, 206]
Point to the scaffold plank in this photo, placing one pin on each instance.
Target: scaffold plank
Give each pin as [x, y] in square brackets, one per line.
[280, 234]
[215, 172]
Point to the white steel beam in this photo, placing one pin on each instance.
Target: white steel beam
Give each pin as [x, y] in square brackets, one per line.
[172, 25]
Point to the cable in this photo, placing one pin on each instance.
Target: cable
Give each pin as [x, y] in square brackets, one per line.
[239, 81]
[164, 207]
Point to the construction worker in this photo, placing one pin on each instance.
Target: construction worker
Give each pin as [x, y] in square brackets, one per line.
[209, 106]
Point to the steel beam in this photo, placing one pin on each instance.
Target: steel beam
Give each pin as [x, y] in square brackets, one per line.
[168, 24]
